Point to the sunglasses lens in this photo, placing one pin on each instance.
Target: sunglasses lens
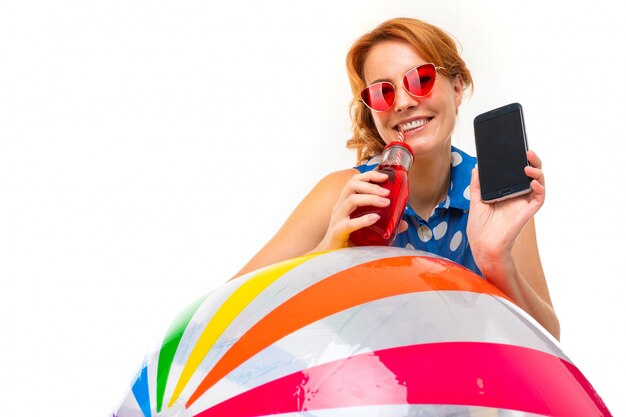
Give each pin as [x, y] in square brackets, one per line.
[378, 96]
[419, 81]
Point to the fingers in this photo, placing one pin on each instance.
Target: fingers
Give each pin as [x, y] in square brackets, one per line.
[362, 187]
[361, 222]
[347, 206]
[474, 187]
[341, 226]
[402, 226]
[538, 188]
[360, 191]
[533, 159]
[534, 171]
[365, 183]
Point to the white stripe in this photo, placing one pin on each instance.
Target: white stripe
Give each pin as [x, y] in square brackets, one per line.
[192, 333]
[129, 407]
[152, 372]
[284, 288]
[408, 319]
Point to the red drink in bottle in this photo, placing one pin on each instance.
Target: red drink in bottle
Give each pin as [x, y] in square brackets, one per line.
[397, 158]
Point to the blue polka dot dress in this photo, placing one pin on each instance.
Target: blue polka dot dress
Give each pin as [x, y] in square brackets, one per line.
[444, 232]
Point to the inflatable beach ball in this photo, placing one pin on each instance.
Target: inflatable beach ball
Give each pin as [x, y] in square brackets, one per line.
[359, 332]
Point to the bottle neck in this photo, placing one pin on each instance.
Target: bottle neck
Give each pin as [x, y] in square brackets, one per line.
[397, 155]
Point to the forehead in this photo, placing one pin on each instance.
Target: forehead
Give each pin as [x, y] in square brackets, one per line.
[390, 60]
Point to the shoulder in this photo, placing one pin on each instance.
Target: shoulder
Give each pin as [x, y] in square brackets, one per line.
[325, 193]
[306, 226]
[336, 180]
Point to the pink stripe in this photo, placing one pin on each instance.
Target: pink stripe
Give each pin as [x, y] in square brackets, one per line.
[460, 373]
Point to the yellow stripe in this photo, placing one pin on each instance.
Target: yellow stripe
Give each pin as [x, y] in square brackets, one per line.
[228, 312]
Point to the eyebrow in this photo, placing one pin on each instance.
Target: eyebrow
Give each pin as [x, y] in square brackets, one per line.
[380, 80]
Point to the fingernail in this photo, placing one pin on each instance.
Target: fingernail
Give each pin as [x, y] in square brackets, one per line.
[383, 190]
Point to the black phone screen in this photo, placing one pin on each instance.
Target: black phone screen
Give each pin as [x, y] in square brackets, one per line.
[501, 151]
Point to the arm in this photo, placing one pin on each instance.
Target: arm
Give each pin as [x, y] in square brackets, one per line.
[322, 220]
[504, 244]
[520, 275]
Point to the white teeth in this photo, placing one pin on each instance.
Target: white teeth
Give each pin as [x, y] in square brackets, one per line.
[414, 124]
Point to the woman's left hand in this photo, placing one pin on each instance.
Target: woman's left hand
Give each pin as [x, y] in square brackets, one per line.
[492, 228]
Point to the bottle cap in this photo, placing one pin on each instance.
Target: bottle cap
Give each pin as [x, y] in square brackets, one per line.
[398, 143]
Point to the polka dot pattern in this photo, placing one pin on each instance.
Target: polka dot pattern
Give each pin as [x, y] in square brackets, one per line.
[456, 241]
[424, 233]
[440, 230]
[456, 158]
[444, 232]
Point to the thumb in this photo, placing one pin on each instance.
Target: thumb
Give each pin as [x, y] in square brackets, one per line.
[474, 188]
[402, 226]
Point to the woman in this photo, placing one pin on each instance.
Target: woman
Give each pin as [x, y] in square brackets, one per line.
[444, 214]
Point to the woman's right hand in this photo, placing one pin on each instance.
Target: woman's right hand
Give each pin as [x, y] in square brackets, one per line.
[361, 190]
[322, 220]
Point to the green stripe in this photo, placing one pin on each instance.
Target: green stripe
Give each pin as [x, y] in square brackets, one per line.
[170, 344]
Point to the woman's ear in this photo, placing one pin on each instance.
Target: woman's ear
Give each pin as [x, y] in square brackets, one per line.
[458, 86]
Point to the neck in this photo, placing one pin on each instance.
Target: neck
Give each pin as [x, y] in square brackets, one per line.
[429, 179]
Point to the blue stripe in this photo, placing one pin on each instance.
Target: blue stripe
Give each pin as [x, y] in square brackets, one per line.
[142, 393]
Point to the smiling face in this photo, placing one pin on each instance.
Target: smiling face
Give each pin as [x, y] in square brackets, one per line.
[427, 121]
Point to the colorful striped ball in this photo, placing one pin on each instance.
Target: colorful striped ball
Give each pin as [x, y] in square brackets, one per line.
[359, 332]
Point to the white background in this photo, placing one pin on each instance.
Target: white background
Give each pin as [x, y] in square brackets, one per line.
[148, 148]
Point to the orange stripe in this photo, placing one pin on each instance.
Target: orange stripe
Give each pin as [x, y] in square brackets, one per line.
[351, 287]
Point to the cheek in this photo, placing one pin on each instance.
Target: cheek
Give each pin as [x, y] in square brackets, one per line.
[446, 112]
[447, 104]
[379, 123]
[450, 116]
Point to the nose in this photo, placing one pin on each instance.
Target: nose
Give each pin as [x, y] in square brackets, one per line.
[403, 100]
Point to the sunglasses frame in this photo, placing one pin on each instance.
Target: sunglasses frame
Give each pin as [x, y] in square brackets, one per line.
[437, 68]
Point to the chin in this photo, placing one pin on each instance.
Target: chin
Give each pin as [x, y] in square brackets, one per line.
[421, 144]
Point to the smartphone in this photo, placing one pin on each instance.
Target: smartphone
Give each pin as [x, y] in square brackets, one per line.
[501, 152]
